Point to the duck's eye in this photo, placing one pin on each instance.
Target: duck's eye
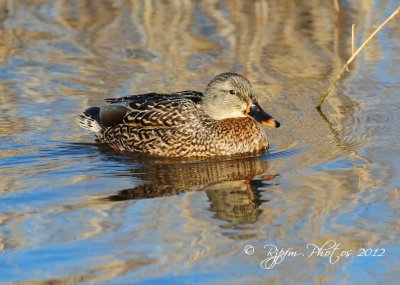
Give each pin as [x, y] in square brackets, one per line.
[233, 92]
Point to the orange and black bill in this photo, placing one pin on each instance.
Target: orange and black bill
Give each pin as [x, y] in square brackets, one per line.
[254, 110]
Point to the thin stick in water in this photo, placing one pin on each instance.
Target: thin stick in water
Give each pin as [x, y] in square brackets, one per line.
[344, 68]
[337, 6]
[352, 39]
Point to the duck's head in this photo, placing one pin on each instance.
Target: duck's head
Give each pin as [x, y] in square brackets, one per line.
[230, 95]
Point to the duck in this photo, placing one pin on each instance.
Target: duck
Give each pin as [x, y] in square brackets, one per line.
[224, 120]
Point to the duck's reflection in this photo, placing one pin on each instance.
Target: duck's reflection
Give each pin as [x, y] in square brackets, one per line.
[238, 201]
[232, 186]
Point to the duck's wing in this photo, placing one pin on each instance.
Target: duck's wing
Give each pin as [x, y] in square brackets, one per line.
[152, 110]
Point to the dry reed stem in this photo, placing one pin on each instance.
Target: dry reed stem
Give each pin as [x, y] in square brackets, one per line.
[337, 6]
[352, 39]
[350, 60]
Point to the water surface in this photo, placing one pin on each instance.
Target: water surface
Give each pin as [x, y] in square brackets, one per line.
[73, 211]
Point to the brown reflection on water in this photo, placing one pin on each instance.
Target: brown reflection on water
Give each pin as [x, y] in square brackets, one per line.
[231, 185]
[113, 268]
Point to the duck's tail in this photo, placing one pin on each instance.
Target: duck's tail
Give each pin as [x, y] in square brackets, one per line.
[90, 120]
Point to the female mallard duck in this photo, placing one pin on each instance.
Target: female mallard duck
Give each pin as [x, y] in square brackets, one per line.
[225, 120]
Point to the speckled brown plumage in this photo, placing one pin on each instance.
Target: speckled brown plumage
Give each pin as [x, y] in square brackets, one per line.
[173, 125]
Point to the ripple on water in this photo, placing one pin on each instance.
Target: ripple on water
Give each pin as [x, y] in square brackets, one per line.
[73, 211]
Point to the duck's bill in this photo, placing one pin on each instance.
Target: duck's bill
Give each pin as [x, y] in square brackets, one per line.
[254, 110]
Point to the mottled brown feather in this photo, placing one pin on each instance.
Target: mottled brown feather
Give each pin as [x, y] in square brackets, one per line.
[174, 125]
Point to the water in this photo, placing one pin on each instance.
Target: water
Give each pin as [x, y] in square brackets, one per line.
[72, 211]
